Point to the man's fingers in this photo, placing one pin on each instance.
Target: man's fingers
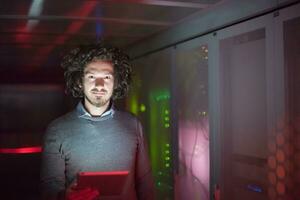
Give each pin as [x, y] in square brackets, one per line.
[74, 186]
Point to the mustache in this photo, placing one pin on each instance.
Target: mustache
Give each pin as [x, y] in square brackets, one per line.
[96, 90]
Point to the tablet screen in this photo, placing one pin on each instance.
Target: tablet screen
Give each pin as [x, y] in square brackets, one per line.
[108, 183]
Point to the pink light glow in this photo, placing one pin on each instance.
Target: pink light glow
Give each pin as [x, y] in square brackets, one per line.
[22, 150]
[193, 178]
[23, 36]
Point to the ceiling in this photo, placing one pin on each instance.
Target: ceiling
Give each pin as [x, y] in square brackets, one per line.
[35, 33]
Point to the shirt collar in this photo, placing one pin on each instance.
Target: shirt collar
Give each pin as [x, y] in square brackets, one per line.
[83, 113]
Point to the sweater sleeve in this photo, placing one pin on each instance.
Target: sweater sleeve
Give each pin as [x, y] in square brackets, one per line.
[53, 165]
[144, 180]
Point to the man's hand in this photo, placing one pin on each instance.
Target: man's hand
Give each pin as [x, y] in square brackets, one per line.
[74, 193]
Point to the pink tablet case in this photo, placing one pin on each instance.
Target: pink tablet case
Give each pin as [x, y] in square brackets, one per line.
[108, 183]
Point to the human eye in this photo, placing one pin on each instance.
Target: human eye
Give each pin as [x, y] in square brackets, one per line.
[90, 76]
[107, 77]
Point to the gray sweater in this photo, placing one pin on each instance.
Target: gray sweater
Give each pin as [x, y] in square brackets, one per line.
[77, 142]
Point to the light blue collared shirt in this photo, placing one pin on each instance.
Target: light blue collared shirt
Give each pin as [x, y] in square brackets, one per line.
[83, 113]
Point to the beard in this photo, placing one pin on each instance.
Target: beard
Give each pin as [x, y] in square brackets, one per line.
[98, 101]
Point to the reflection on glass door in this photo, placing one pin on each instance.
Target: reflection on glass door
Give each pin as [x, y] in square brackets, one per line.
[284, 165]
[244, 133]
[284, 141]
[191, 94]
[150, 101]
[260, 108]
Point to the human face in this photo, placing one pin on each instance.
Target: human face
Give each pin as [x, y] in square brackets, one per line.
[98, 84]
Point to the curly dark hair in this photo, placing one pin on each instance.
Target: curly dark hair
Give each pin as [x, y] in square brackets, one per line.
[76, 60]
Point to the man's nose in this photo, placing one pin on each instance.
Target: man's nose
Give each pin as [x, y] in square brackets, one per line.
[99, 82]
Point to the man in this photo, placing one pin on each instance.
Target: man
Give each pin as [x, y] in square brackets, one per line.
[95, 137]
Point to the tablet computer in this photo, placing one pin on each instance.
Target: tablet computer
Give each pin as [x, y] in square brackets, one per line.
[108, 183]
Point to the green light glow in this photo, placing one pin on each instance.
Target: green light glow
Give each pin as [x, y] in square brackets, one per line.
[142, 108]
[162, 96]
[160, 136]
[156, 124]
[133, 104]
